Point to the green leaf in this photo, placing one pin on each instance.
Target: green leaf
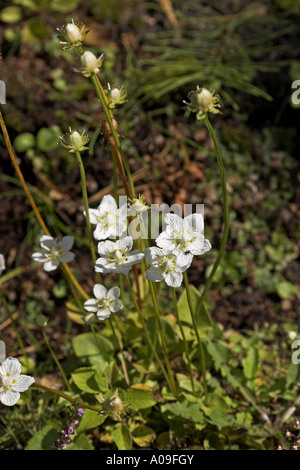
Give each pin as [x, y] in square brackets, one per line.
[142, 435]
[24, 141]
[186, 410]
[90, 420]
[81, 442]
[47, 138]
[140, 399]
[221, 420]
[286, 289]
[251, 363]
[65, 6]
[204, 322]
[112, 374]
[88, 380]
[88, 344]
[43, 439]
[214, 402]
[121, 436]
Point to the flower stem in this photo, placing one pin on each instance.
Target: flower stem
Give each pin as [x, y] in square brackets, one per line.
[120, 344]
[184, 338]
[155, 354]
[225, 212]
[66, 397]
[56, 360]
[86, 207]
[200, 346]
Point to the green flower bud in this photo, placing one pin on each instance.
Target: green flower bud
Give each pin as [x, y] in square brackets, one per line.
[203, 101]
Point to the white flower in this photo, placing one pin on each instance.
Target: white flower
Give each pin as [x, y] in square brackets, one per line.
[105, 302]
[109, 220]
[117, 256]
[115, 96]
[164, 266]
[184, 237]
[2, 264]
[54, 252]
[90, 63]
[12, 382]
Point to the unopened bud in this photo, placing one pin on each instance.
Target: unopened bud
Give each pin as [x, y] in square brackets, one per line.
[90, 63]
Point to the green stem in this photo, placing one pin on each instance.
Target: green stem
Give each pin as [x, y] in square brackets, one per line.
[56, 360]
[200, 346]
[66, 397]
[225, 212]
[161, 333]
[19, 339]
[86, 208]
[154, 352]
[120, 344]
[184, 339]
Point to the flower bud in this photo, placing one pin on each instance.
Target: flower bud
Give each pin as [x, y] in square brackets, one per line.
[74, 141]
[90, 63]
[113, 406]
[203, 101]
[72, 35]
[115, 95]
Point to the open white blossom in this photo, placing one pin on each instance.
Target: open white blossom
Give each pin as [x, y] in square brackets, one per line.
[54, 252]
[109, 220]
[12, 382]
[104, 302]
[2, 264]
[117, 256]
[164, 266]
[184, 237]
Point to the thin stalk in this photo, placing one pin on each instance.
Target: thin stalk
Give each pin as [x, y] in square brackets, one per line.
[66, 397]
[86, 208]
[56, 360]
[225, 212]
[170, 383]
[200, 346]
[184, 338]
[161, 331]
[120, 344]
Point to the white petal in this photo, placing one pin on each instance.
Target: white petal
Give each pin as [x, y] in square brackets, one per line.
[154, 274]
[125, 243]
[116, 305]
[11, 365]
[108, 204]
[106, 247]
[165, 241]
[153, 254]
[47, 242]
[91, 305]
[101, 233]
[194, 222]
[99, 291]
[67, 257]
[173, 221]
[103, 314]
[183, 259]
[174, 279]
[9, 398]
[23, 383]
[67, 242]
[113, 293]
[51, 265]
[94, 216]
[39, 257]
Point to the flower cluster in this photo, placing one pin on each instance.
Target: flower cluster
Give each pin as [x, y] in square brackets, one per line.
[54, 252]
[182, 239]
[63, 437]
[12, 382]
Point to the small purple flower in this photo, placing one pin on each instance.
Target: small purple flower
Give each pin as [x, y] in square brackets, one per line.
[71, 429]
[75, 422]
[80, 412]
